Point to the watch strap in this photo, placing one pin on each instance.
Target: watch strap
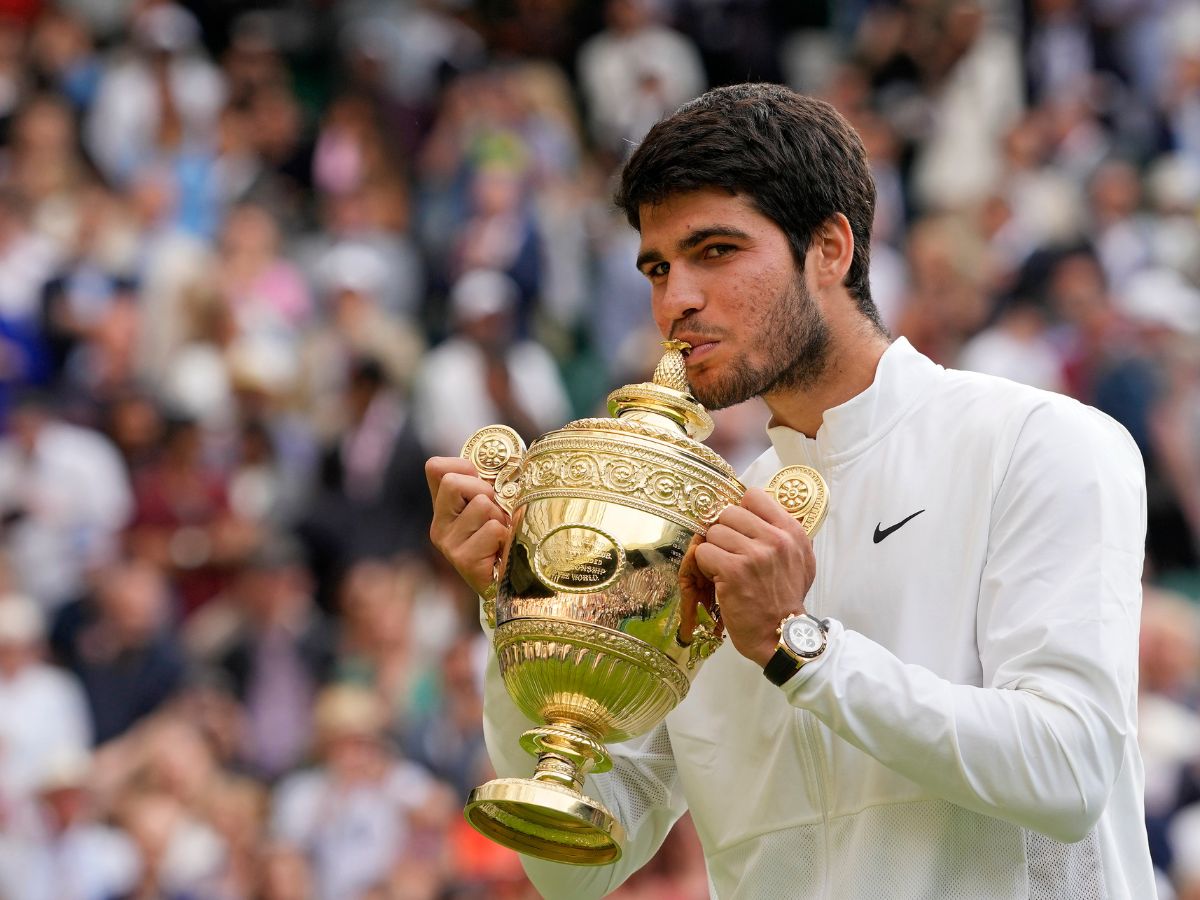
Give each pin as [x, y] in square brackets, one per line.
[781, 667]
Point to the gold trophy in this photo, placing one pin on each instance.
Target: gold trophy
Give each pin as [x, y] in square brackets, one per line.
[586, 605]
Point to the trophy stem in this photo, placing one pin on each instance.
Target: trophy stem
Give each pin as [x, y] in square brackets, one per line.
[566, 752]
[548, 815]
[560, 770]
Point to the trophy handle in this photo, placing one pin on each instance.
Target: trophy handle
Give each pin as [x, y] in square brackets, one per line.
[802, 492]
[496, 453]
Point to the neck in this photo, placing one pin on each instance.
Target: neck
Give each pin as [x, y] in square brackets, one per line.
[854, 353]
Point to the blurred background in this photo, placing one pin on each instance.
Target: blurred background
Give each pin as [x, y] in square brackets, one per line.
[259, 259]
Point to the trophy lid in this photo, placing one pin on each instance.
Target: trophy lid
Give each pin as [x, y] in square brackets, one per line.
[666, 400]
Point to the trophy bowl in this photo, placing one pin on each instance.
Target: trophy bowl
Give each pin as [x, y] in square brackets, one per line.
[586, 605]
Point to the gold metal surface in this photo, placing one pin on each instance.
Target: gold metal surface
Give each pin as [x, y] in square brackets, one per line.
[545, 820]
[587, 600]
[490, 449]
[802, 492]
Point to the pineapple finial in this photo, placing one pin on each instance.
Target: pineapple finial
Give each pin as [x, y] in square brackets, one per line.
[671, 369]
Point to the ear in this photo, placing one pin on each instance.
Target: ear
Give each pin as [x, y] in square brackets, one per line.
[831, 251]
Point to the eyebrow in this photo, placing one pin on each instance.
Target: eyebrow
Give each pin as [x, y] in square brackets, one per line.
[693, 240]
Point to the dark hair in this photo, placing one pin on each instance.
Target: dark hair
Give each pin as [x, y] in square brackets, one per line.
[796, 158]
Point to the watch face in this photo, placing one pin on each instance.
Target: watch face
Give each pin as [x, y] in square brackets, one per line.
[804, 636]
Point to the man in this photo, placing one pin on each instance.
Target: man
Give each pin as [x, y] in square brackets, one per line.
[280, 653]
[118, 643]
[962, 721]
[64, 498]
[484, 372]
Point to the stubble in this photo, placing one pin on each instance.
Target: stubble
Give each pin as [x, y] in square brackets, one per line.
[797, 339]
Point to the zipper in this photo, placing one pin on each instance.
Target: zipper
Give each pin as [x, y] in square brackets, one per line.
[812, 728]
[812, 734]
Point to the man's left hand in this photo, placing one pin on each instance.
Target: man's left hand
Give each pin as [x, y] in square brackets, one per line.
[761, 561]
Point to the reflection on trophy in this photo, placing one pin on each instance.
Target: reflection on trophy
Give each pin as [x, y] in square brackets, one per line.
[586, 606]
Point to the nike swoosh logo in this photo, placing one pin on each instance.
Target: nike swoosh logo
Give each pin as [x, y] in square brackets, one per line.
[881, 533]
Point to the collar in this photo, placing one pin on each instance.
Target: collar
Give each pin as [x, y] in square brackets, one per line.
[902, 378]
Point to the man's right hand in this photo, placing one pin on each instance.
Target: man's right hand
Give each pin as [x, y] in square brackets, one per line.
[469, 527]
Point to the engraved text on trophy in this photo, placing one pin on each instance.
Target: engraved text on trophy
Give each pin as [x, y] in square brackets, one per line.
[578, 559]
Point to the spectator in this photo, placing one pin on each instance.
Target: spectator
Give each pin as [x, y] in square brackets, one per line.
[385, 641]
[975, 66]
[449, 739]
[501, 235]
[45, 713]
[162, 96]
[65, 498]
[358, 326]
[277, 657]
[65, 852]
[263, 488]
[284, 874]
[99, 261]
[181, 857]
[27, 262]
[363, 811]
[118, 644]
[47, 167]
[265, 292]
[237, 810]
[64, 54]
[1016, 346]
[1168, 722]
[633, 73]
[1122, 233]
[183, 522]
[481, 376]
[369, 504]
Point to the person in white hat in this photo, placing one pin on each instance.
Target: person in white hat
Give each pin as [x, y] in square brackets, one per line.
[61, 851]
[482, 375]
[364, 810]
[43, 709]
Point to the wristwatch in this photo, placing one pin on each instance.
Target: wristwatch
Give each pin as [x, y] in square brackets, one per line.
[802, 639]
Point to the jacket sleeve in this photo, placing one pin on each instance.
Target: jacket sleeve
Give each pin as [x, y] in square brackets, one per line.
[642, 790]
[1041, 741]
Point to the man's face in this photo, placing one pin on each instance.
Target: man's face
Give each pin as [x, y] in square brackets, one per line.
[723, 278]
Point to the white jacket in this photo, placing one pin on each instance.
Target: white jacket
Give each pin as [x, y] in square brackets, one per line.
[971, 730]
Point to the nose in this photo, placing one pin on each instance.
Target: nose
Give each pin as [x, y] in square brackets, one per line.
[676, 298]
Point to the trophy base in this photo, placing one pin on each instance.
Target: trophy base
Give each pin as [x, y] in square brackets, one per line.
[545, 820]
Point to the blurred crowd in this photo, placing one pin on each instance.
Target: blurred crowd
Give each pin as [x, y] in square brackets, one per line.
[258, 260]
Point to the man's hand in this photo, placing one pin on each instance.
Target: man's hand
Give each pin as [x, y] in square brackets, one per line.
[469, 527]
[761, 562]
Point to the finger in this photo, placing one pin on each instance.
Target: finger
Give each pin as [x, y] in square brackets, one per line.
[694, 590]
[714, 563]
[477, 513]
[687, 607]
[729, 539]
[745, 521]
[479, 510]
[438, 467]
[767, 508]
[476, 557]
[456, 491]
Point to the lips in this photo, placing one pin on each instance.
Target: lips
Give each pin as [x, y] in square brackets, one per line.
[700, 349]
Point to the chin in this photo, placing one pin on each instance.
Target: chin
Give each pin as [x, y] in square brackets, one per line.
[715, 398]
